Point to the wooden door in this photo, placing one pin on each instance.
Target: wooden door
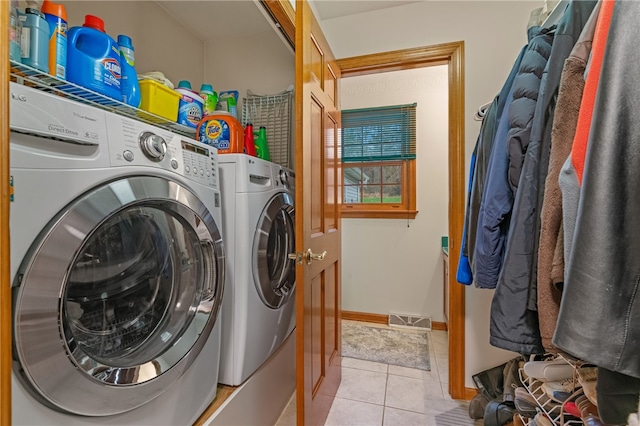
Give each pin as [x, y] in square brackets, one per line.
[318, 229]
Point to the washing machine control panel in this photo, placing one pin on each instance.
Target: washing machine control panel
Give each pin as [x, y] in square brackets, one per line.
[134, 143]
[153, 146]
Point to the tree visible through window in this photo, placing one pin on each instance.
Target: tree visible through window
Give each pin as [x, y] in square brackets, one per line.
[378, 160]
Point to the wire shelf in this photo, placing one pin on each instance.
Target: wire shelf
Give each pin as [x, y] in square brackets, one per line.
[28, 76]
[276, 113]
[553, 410]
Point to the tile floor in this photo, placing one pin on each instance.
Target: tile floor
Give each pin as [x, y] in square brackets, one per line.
[380, 394]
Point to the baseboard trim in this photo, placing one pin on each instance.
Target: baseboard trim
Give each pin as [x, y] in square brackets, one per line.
[383, 319]
[365, 317]
[437, 325]
[469, 393]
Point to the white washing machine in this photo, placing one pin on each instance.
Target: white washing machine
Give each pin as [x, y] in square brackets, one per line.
[117, 266]
[259, 230]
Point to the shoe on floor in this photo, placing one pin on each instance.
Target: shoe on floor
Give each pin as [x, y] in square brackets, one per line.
[525, 403]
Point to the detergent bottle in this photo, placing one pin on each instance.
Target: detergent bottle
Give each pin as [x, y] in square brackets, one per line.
[210, 98]
[129, 83]
[262, 149]
[249, 144]
[93, 58]
[15, 32]
[56, 16]
[34, 46]
[190, 105]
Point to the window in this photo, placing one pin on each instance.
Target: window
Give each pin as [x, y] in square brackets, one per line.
[378, 155]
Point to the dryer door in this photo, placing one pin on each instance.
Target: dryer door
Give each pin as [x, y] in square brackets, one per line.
[274, 273]
[118, 296]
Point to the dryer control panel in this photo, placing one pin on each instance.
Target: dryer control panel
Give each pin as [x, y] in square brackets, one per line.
[134, 143]
[286, 178]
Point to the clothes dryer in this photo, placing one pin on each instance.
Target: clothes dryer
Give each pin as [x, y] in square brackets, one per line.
[117, 266]
[259, 230]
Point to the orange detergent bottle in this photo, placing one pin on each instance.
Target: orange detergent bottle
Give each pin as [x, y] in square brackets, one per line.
[223, 131]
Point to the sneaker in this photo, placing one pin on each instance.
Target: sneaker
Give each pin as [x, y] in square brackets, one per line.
[556, 390]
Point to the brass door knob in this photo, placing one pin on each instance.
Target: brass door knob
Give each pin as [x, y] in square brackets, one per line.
[308, 256]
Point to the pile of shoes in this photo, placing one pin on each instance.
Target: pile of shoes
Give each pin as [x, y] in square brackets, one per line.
[556, 376]
[496, 394]
[555, 383]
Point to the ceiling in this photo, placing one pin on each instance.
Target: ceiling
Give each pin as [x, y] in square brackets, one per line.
[329, 9]
[216, 19]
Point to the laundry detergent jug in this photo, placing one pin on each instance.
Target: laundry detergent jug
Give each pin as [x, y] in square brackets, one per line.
[222, 131]
[93, 58]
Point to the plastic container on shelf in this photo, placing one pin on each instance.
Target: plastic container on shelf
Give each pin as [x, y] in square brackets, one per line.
[249, 143]
[210, 98]
[262, 149]
[93, 58]
[158, 99]
[34, 46]
[222, 131]
[190, 107]
[228, 101]
[56, 16]
[129, 84]
[15, 31]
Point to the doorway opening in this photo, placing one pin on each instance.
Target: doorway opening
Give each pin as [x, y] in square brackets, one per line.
[451, 55]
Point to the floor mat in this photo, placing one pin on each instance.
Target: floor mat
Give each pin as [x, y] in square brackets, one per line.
[458, 416]
[386, 345]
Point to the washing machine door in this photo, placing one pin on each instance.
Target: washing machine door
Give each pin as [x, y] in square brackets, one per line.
[274, 274]
[117, 297]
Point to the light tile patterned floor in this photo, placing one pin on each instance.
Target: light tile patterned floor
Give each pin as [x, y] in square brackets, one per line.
[372, 394]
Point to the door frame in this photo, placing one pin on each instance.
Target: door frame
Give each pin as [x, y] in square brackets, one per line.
[452, 55]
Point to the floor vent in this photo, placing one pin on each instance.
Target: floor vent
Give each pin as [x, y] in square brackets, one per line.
[411, 321]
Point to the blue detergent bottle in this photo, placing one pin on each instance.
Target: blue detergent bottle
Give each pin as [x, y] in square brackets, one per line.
[93, 58]
[35, 39]
[129, 83]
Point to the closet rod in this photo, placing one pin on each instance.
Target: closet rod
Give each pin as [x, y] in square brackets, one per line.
[556, 14]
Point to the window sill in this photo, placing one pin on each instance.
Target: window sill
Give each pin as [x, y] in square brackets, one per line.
[378, 214]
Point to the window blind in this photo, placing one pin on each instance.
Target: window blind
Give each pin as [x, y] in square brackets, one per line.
[379, 134]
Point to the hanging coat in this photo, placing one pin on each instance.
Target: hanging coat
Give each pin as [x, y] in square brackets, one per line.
[514, 320]
[599, 319]
[489, 128]
[525, 95]
[497, 199]
[550, 252]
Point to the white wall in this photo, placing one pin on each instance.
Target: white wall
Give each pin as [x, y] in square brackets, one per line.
[493, 33]
[395, 265]
[260, 62]
[160, 42]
